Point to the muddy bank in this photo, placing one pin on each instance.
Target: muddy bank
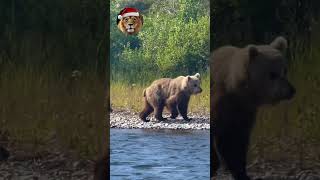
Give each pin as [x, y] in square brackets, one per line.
[128, 119]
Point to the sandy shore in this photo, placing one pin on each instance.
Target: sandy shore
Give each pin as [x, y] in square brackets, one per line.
[127, 119]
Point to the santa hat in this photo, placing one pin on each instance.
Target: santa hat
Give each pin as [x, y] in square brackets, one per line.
[128, 11]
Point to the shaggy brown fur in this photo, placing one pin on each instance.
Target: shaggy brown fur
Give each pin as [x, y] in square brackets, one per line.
[243, 80]
[171, 93]
[102, 168]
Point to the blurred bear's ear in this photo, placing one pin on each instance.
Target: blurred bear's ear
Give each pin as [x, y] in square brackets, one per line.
[280, 43]
[197, 75]
[189, 78]
[253, 51]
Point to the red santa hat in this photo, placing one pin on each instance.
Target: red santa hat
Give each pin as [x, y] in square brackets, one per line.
[128, 11]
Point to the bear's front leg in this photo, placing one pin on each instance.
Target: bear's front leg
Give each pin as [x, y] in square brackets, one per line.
[158, 111]
[172, 107]
[215, 161]
[234, 152]
[183, 107]
[232, 133]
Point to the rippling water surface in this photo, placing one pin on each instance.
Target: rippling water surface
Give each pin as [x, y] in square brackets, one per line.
[159, 154]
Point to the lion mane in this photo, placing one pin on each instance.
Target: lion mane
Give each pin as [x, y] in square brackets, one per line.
[130, 25]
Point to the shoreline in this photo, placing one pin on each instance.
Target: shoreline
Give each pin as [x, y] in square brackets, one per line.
[126, 119]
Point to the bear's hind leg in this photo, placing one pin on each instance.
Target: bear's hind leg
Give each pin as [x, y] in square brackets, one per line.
[148, 109]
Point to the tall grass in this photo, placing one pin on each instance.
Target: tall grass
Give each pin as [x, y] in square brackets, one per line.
[44, 108]
[126, 95]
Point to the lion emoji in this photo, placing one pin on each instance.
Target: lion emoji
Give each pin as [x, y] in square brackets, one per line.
[129, 21]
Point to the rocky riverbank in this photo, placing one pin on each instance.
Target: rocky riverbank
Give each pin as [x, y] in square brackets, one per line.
[276, 171]
[45, 166]
[128, 119]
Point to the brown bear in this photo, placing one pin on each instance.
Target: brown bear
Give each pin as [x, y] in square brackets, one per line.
[243, 79]
[171, 93]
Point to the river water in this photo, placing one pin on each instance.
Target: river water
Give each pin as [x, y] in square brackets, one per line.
[145, 154]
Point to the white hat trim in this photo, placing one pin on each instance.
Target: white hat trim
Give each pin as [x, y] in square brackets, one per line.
[131, 14]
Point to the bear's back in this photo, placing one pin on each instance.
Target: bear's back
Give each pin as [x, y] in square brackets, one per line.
[220, 63]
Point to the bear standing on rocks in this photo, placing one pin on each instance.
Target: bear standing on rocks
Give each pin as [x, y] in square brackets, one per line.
[243, 80]
[171, 93]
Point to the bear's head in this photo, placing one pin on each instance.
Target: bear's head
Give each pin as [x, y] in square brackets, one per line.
[191, 84]
[267, 72]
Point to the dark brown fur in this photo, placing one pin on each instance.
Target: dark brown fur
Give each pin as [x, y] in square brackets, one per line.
[4, 154]
[102, 168]
[243, 80]
[102, 164]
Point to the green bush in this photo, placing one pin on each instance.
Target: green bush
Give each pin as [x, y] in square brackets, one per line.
[174, 41]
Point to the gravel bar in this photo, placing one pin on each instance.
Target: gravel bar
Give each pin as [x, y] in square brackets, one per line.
[126, 119]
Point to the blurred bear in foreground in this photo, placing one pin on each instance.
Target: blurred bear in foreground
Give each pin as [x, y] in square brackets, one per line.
[243, 79]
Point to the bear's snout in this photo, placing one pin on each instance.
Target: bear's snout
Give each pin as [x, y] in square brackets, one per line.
[200, 91]
[291, 92]
[197, 91]
[287, 91]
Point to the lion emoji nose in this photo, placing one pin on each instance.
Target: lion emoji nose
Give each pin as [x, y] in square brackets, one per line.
[130, 24]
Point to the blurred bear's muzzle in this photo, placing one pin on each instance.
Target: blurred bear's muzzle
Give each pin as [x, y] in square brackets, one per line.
[291, 92]
[288, 91]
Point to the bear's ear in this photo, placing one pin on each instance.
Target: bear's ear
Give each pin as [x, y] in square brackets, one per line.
[253, 51]
[197, 75]
[189, 78]
[280, 43]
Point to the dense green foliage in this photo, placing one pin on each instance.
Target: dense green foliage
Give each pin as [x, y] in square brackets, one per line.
[174, 41]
